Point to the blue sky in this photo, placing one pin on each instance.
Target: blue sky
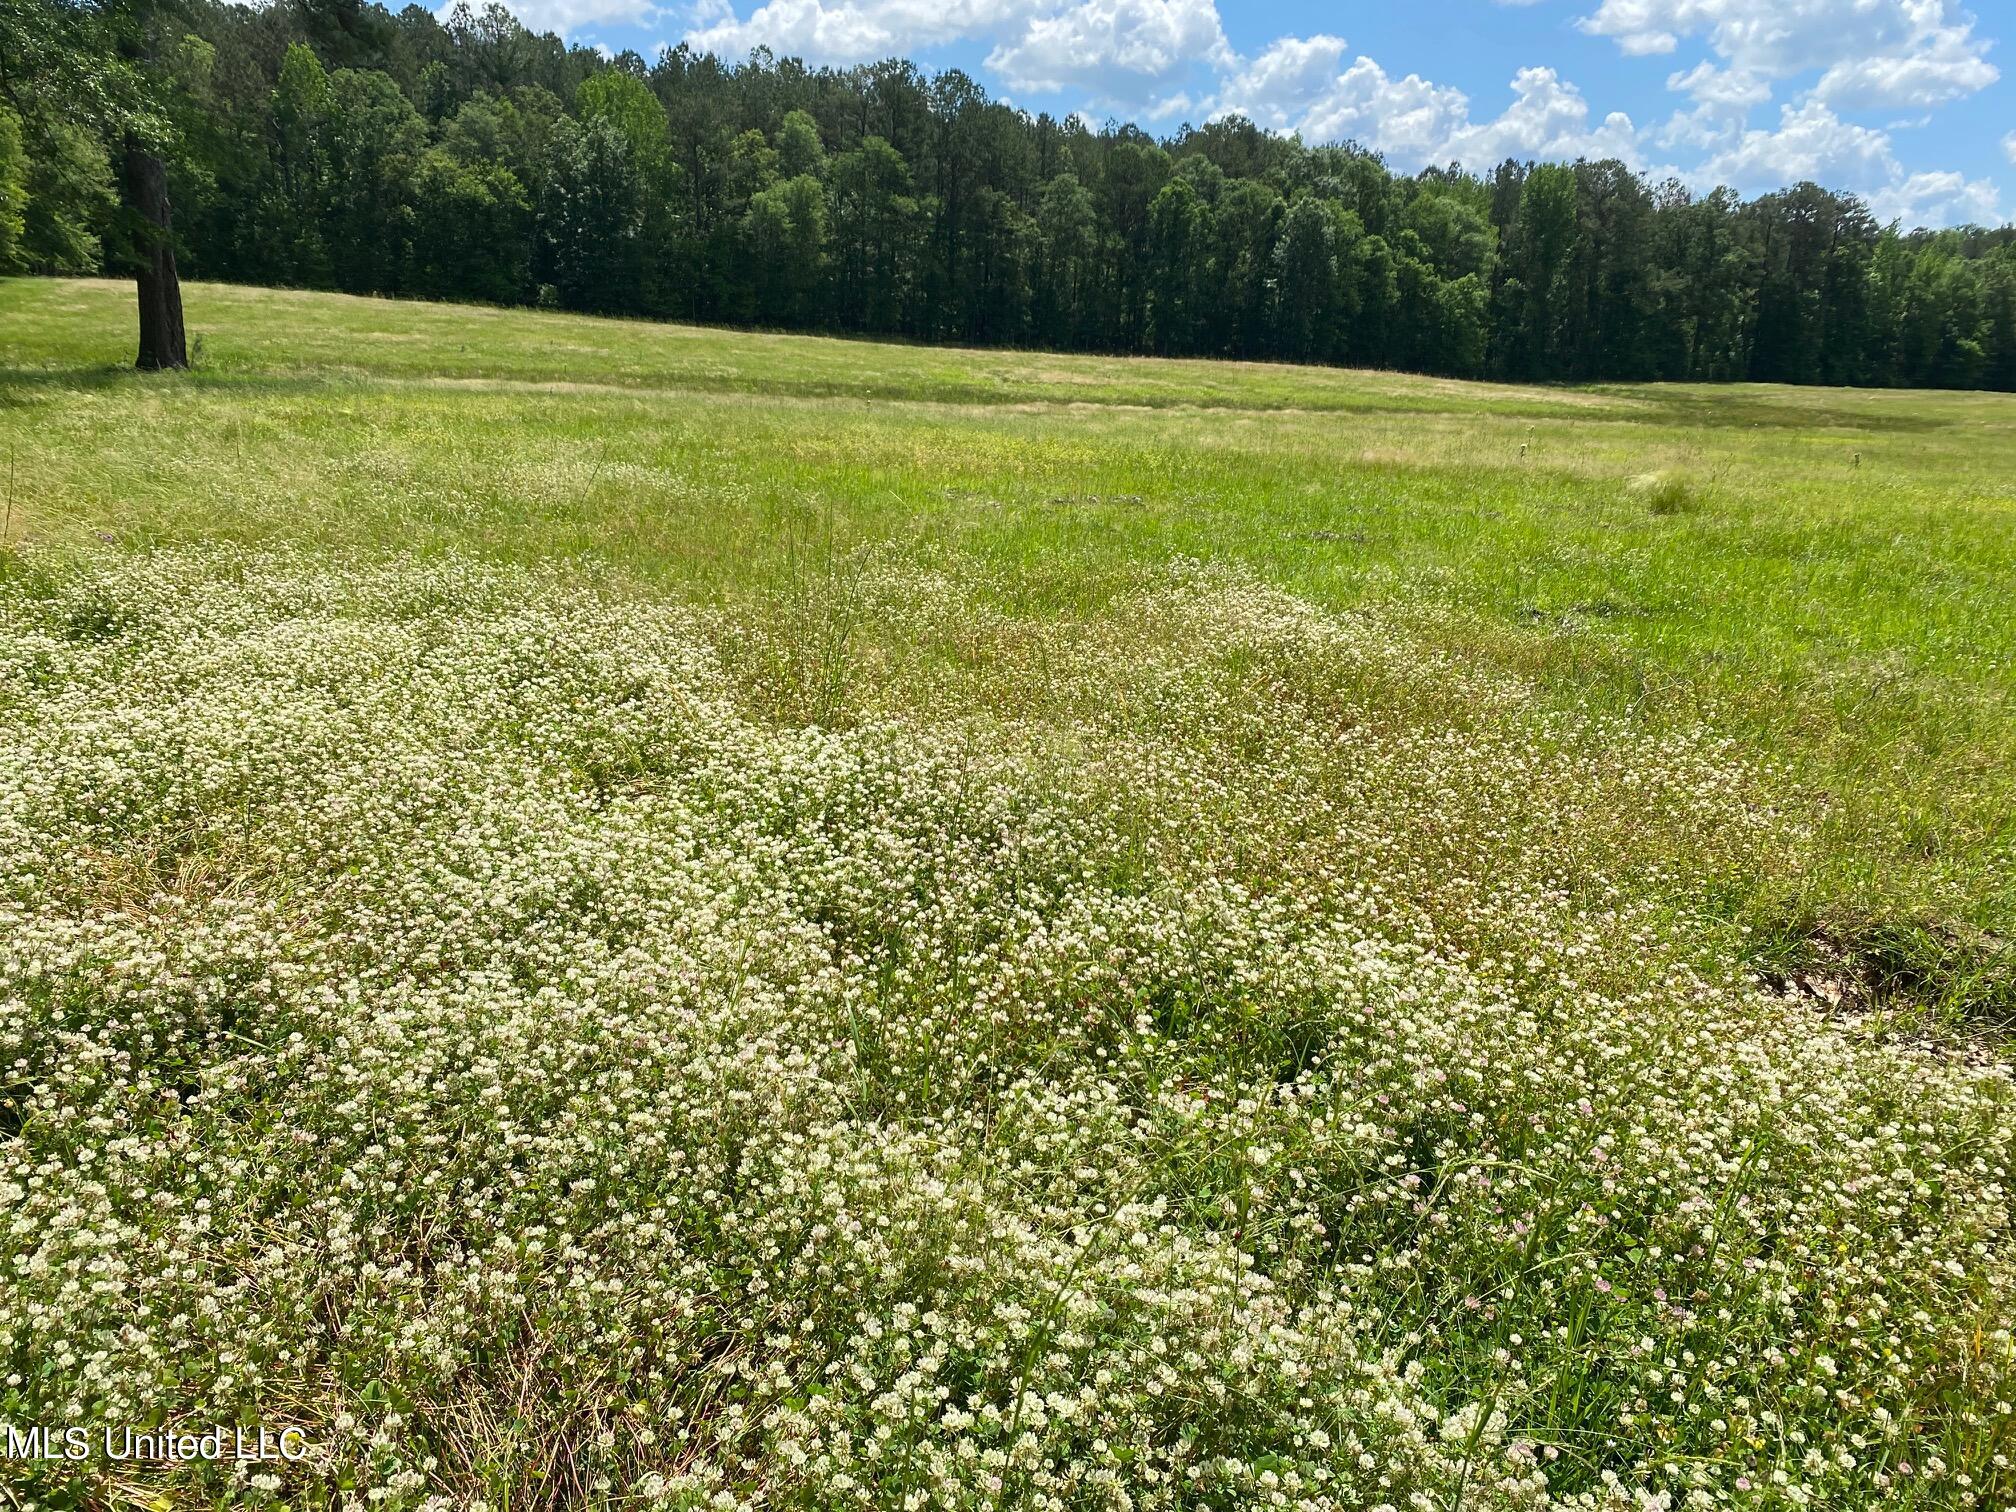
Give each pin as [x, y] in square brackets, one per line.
[1903, 101]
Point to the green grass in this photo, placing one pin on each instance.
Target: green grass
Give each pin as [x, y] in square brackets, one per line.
[1821, 574]
[604, 914]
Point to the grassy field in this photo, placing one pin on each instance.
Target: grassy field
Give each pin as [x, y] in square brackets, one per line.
[607, 913]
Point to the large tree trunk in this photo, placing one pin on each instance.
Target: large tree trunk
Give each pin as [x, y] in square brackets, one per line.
[162, 343]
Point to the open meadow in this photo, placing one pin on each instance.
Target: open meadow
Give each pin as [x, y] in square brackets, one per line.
[597, 913]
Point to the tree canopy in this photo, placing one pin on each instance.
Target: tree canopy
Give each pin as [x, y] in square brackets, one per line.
[332, 143]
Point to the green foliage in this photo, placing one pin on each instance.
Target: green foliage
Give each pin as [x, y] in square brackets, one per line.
[470, 232]
[13, 191]
[81, 79]
[1539, 243]
[78, 61]
[1067, 225]
[786, 231]
[625, 103]
[308, 155]
[69, 202]
[1459, 239]
[876, 223]
[299, 174]
[376, 143]
[1179, 245]
[1310, 277]
[799, 151]
[592, 218]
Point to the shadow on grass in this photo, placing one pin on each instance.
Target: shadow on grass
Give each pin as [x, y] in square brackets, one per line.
[26, 388]
[20, 386]
[1963, 977]
[1730, 408]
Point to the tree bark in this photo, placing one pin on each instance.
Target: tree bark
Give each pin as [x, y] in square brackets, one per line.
[162, 342]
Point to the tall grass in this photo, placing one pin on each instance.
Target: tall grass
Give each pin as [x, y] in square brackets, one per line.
[615, 915]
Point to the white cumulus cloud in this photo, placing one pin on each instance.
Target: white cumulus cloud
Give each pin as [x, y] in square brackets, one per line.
[1302, 84]
[1118, 51]
[1548, 118]
[1937, 199]
[859, 31]
[1282, 83]
[1810, 142]
[568, 17]
[1133, 54]
[1725, 89]
[1409, 119]
[1892, 53]
[1947, 65]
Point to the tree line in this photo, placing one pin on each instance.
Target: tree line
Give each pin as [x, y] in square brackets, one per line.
[335, 144]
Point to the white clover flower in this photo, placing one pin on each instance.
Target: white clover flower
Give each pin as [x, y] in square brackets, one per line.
[1242, 1056]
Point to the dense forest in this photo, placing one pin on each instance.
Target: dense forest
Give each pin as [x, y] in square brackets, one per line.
[331, 144]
